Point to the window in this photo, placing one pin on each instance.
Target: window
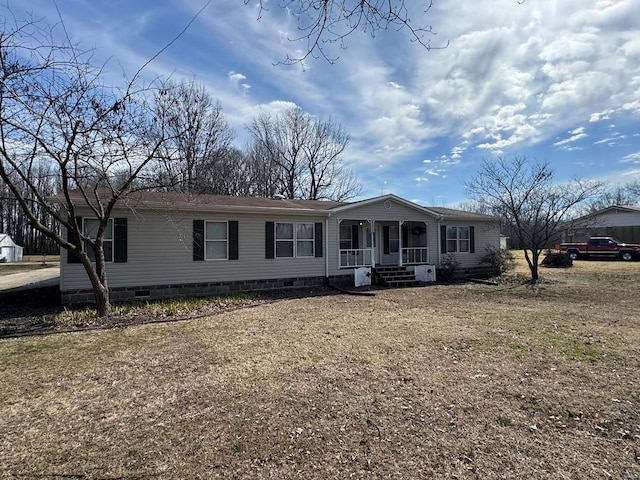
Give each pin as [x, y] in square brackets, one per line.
[288, 240]
[284, 239]
[458, 240]
[216, 240]
[304, 240]
[345, 237]
[294, 240]
[90, 228]
[394, 239]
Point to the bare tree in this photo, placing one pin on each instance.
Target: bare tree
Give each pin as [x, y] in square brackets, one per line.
[526, 196]
[201, 137]
[327, 22]
[634, 190]
[55, 109]
[327, 178]
[303, 155]
[14, 221]
[628, 194]
[281, 140]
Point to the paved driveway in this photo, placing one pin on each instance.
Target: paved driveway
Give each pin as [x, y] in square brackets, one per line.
[42, 277]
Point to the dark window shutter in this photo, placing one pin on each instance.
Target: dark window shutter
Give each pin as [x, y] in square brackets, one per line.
[233, 240]
[72, 257]
[318, 235]
[443, 239]
[472, 240]
[355, 236]
[385, 239]
[198, 240]
[120, 240]
[269, 240]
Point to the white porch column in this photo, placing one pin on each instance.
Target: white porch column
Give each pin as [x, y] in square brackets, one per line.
[372, 228]
[326, 246]
[400, 222]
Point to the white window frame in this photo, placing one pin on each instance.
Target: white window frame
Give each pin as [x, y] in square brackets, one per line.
[216, 240]
[294, 240]
[394, 241]
[458, 239]
[107, 240]
[347, 228]
[311, 240]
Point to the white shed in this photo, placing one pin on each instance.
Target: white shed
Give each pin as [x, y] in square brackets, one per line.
[9, 251]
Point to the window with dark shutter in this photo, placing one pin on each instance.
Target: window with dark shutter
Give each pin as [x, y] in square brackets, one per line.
[269, 240]
[318, 239]
[472, 240]
[72, 257]
[198, 240]
[233, 240]
[120, 240]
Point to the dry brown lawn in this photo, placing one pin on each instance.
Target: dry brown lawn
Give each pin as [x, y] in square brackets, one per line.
[462, 381]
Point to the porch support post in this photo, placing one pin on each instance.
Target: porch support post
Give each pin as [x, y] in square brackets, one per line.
[326, 246]
[426, 242]
[400, 222]
[372, 228]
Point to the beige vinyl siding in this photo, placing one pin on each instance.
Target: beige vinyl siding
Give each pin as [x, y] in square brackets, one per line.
[485, 233]
[160, 252]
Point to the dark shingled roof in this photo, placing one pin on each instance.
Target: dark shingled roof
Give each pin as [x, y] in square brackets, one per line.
[195, 200]
[453, 213]
[174, 200]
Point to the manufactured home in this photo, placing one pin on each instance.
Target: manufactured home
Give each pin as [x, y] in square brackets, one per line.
[169, 244]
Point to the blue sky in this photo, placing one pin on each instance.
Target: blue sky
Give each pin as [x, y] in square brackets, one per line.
[552, 80]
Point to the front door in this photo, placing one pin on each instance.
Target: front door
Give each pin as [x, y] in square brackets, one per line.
[388, 248]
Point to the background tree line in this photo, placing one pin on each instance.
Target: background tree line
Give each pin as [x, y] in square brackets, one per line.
[290, 154]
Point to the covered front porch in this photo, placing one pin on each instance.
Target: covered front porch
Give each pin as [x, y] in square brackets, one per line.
[371, 243]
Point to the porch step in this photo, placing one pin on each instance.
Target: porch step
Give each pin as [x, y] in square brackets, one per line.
[395, 277]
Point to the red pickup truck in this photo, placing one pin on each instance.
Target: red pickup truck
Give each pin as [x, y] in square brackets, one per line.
[602, 247]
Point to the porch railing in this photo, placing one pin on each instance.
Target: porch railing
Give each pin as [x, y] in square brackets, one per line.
[415, 255]
[355, 257]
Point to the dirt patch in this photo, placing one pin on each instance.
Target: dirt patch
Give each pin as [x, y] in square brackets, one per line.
[462, 381]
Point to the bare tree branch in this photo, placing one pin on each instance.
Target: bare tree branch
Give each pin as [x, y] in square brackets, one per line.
[322, 23]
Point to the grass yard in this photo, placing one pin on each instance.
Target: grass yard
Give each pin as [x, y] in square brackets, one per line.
[462, 381]
[18, 267]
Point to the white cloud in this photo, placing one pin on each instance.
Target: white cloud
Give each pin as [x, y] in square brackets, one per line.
[235, 78]
[576, 135]
[631, 158]
[611, 141]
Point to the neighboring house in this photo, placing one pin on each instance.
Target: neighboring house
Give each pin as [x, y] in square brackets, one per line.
[621, 222]
[9, 251]
[163, 244]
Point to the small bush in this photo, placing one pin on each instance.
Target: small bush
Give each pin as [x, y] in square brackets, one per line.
[504, 421]
[499, 260]
[557, 259]
[448, 268]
